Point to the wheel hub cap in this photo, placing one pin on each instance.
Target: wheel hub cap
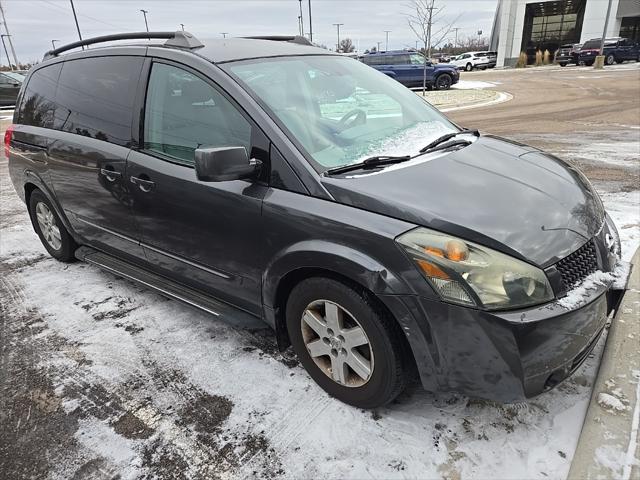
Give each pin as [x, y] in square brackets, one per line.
[337, 343]
[48, 226]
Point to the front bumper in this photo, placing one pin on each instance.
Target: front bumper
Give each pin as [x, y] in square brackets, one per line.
[502, 356]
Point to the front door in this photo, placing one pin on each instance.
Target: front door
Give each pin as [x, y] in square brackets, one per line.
[89, 145]
[204, 234]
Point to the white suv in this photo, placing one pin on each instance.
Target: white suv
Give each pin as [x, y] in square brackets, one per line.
[470, 60]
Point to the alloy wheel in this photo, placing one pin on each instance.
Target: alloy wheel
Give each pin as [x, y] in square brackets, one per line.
[443, 82]
[611, 60]
[48, 226]
[337, 343]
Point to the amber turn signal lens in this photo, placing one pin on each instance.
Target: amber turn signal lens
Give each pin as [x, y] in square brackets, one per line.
[431, 270]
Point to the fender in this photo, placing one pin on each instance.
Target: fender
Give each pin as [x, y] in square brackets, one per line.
[334, 257]
[32, 177]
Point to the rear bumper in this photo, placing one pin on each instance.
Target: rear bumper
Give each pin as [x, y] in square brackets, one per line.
[501, 356]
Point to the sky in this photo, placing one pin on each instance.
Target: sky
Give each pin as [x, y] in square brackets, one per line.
[34, 23]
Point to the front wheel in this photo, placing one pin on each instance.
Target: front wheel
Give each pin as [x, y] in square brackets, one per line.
[443, 82]
[610, 59]
[50, 229]
[563, 64]
[347, 343]
[468, 67]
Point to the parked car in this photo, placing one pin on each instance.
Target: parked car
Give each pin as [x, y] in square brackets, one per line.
[304, 188]
[567, 54]
[441, 57]
[492, 58]
[470, 60]
[10, 83]
[408, 69]
[616, 50]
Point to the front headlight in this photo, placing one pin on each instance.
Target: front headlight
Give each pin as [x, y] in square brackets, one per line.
[470, 274]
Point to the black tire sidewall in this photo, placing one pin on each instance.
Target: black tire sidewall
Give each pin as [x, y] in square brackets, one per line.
[611, 60]
[67, 249]
[382, 387]
[446, 87]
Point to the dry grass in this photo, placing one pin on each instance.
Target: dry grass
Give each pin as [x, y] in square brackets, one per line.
[522, 60]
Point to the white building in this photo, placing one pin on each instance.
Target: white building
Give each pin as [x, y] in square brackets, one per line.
[529, 25]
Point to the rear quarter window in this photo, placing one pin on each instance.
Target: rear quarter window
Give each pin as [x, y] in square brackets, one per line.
[38, 106]
[95, 97]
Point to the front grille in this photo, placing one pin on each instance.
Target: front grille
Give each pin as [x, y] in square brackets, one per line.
[576, 267]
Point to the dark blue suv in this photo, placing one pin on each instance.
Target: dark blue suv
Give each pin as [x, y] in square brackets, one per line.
[616, 50]
[407, 68]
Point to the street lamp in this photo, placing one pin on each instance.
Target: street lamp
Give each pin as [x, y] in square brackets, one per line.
[224, 34]
[338, 25]
[387, 43]
[182, 25]
[144, 12]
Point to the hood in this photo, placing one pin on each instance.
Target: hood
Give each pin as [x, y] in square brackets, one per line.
[502, 194]
[442, 65]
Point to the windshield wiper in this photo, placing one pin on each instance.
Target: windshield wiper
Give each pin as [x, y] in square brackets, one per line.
[371, 162]
[446, 137]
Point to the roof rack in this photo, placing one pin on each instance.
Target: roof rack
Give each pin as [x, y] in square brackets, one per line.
[174, 39]
[284, 38]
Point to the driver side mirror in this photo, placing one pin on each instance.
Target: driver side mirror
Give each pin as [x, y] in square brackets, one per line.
[224, 164]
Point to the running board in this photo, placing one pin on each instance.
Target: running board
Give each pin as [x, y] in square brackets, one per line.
[156, 282]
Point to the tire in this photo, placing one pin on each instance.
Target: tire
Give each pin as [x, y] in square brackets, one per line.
[563, 64]
[468, 67]
[52, 232]
[443, 81]
[386, 376]
[588, 64]
[610, 60]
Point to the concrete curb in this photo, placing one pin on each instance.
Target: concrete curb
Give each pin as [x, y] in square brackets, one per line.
[609, 445]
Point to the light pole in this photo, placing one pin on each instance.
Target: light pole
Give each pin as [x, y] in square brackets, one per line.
[4, 45]
[144, 12]
[599, 63]
[75, 17]
[338, 25]
[455, 43]
[301, 20]
[53, 43]
[378, 50]
[6, 27]
[386, 48]
[182, 25]
[479, 34]
[310, 24]
[224, 34]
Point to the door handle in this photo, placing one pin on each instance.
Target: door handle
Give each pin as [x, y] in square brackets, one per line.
[109, 174]
[144, 184]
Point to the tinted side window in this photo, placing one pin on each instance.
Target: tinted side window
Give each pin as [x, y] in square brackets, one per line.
[38, 105]
[401, 59]
[95, 97]
[183, 112]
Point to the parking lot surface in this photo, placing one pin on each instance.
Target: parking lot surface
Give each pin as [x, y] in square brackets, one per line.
[100, 377]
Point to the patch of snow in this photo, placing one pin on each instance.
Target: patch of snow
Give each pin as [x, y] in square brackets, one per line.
[471, 84]
[577, 296]
[611, 403]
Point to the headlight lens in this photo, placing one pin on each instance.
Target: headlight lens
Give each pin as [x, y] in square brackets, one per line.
[470, 274]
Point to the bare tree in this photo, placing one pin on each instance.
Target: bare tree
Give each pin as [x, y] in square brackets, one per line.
[426, 22]
[346, 45]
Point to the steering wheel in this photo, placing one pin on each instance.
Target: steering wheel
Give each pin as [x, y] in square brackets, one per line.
[357, 116]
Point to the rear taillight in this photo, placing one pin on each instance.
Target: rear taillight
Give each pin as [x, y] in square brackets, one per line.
[8, 135]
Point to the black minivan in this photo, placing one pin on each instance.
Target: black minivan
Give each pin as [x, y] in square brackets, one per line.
[374, 235]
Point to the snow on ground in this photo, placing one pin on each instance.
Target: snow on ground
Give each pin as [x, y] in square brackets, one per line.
[472, 84]
[155, 388]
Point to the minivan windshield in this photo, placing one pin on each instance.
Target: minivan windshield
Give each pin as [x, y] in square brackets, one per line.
[338, 110]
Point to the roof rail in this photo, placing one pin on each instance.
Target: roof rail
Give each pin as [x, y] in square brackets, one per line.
[284, 38]
[174, 39]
